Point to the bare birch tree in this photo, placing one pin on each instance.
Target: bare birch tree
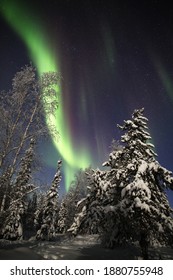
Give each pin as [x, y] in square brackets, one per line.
[22, 113]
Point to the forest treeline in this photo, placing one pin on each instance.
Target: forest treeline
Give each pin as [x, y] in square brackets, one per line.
[125, 202]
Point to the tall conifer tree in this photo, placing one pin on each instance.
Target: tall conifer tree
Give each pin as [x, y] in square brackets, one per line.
[47, 215]
[13, 225]
[131, 195]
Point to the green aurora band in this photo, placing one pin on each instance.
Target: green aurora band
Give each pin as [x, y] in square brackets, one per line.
[165, 78]
[45, 59]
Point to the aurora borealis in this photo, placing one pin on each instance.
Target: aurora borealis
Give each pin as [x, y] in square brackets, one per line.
[38, 48]
[114, 56]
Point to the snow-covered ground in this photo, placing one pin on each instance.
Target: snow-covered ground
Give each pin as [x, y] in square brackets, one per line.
[85, 247]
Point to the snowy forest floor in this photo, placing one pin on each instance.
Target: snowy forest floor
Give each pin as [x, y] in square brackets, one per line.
[85, 247]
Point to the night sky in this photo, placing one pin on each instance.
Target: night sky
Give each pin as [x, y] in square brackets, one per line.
[113, 56]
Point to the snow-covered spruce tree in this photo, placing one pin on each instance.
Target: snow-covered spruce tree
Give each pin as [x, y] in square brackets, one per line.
[68, 208]
[47, 216]
[90, 212]
[91, 216]
[38, 214]
[128, 202]
[29, 216]
[5, 183]
[13, 226]
[140, 207]
[77, 191]
[63, 217]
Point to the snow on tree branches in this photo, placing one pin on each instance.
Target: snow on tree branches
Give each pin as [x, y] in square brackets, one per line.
[69, 203]
[13, 225]
[130, 196]
[46, 217]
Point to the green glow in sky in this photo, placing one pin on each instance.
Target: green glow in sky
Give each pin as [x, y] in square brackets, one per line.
[166, 79]
[41, 53]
